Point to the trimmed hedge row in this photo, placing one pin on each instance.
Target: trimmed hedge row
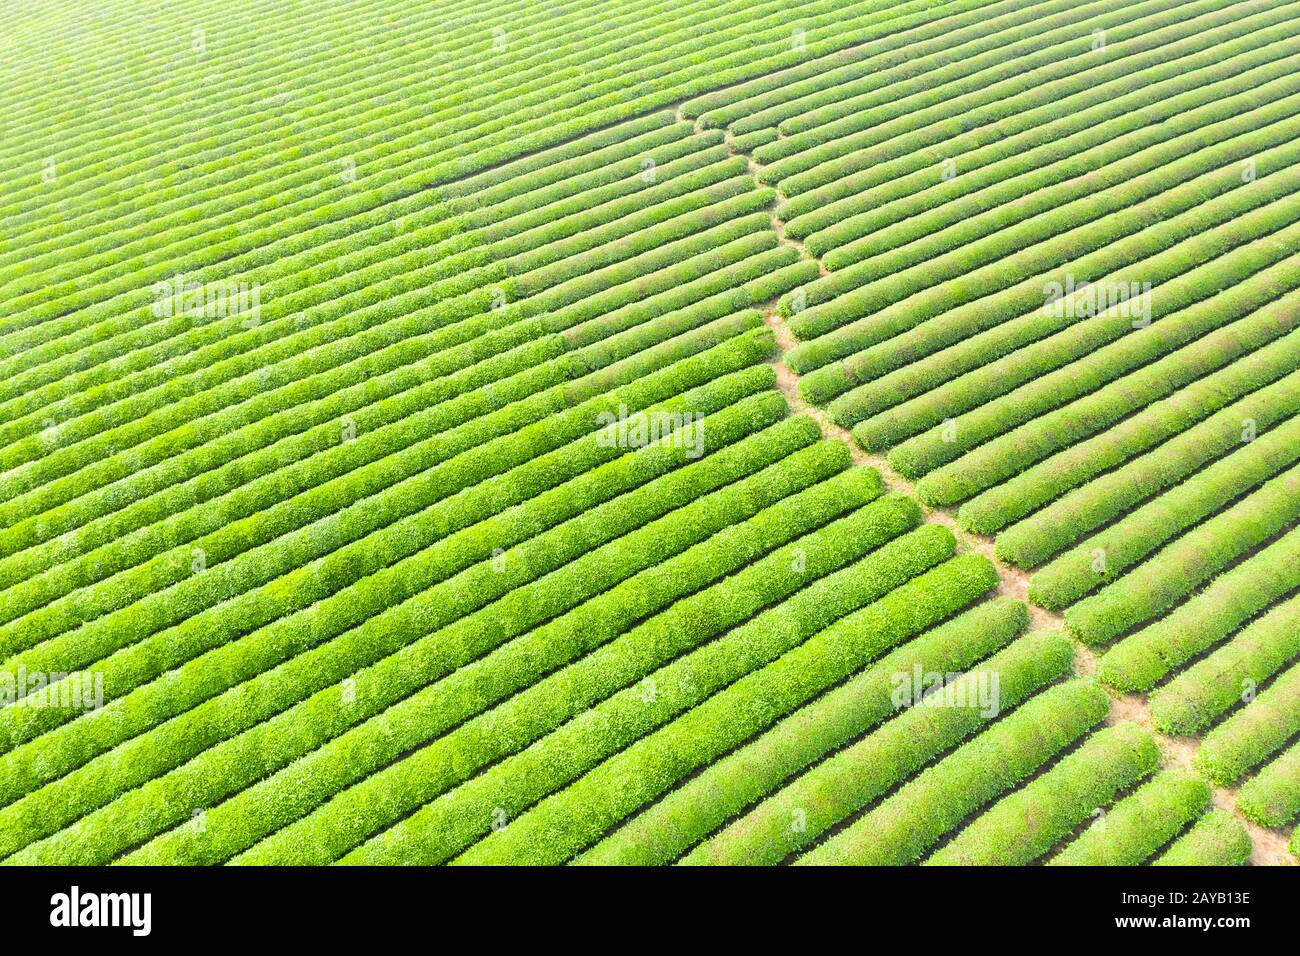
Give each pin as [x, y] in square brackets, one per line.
[455, 665]
[567, 822]
[998, 49]
[796, 815]
[408, 165]
[659, 630]
[198, 475]
[1011, 216]
[669, 827]
[1147, 430]
[896, 28]
[341, 275]
[1249, 737]
[138, 486]
[1111, 401]
[1135, 536]
[385, 428]
[862, 140]
[601, 505]
[393, 303]
[770, 100]
[844, 124]
[358, 287]
[1102, 106]
[1016, 242]
[966, 375]
[1179, 568]
[1145, 658]
[1026, 824]
[1211, 687]
[1217, 839]
[946, 315]
[326, 267]
[1272, 797]
[1019, 234]
[582, 109]
[581, 323]
[901, 829]
[1140, 824]
[173, 428]
[419, 513]
[748, 142]
[1037, 538]
[1118, 109]
[395, 452]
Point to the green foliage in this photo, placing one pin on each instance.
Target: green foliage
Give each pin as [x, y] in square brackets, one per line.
[1025, 825]
[1033, 540]
[1140, 824]
[900, 829]
[1249, 737]
[1217, 839]
[1175, 571]
[1210, 687]
[1137, 534]
[555, 829]
[709, 799]
[795, 816]
[483, 681]
[1272, 797]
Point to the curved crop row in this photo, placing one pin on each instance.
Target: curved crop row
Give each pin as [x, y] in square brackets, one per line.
[631, 493]
[825, 146]
[944, 315]
[795, 816]
[812, 85]
[170, 429]
[1246, 739]
[902, 828]
[1157, 78]
[261, 810]
[1037, 538]
[125, 505]
[955, 380]
[1114, 398]
[571, 696]
[669, 827]
[1175, 571]
[552, 831]
[1272, 797]
[90, 414]
[1210, 687]
[1028, 823]
[1217, 839]
[1139, 825]
[958, 236]
[1104, 557]
[141, 650]
[859, 141]
[1129, 106]
[383, 428]
[905, 21]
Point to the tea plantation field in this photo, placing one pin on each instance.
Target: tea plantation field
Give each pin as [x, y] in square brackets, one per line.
[641, 433]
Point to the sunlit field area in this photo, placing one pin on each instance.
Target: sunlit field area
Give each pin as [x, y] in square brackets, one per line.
[527, 432]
